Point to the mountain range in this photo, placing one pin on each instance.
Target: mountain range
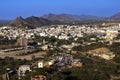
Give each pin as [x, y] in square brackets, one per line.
[58, 19]
[70, 17]
[29, 21]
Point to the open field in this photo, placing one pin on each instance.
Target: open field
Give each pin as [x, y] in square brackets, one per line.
[15, 54]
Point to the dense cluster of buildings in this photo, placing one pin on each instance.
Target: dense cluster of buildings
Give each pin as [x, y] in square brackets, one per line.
[65, 61]
[61, 32]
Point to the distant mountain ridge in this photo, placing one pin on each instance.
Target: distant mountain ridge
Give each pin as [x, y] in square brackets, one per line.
[58, 19]
[63, 17]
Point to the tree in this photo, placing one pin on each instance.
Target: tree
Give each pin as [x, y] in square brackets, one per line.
[33, 57]
[77, 48]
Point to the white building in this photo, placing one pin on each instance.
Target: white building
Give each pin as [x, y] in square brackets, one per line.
[40, 65]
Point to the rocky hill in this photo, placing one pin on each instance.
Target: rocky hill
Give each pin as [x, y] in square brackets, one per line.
[19, 21]
[30, 22]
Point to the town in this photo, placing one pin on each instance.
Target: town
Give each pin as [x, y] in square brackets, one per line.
[52, 52]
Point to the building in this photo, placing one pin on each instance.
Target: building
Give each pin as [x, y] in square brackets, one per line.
[39, 77]
[102, 53]
[22, 41]
[40, 65]
[23, 69]
[77, 63]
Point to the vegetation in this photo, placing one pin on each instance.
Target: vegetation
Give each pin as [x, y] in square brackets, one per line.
[11, 64]
[88, 47]
[115, 47]
[118, 36]
[5, 41]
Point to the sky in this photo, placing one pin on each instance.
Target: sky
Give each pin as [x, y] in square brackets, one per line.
[10, 9]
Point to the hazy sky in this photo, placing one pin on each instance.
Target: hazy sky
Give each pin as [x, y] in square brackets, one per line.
[10, 9]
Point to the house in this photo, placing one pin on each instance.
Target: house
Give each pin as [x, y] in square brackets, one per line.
[102, 53]
[39, 77]
[40, 65]
[44, 47]
[23, 69]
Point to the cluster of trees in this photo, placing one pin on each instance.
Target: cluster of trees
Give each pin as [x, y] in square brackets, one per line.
[53, 40]
[81, 74]
[88, 47]
[115, 47]
[5, 41]
[118, 36]
[11, 64]
[88, 72]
